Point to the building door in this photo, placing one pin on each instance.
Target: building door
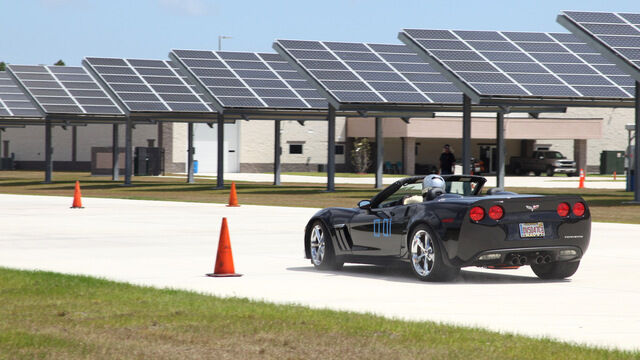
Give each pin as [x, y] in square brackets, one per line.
[206, 144]
[489, 157]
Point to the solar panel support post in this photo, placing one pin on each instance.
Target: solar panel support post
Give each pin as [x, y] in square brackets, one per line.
[48, 151]
[190, 151]
[277, 151]
[466, 134]
[128, 152]
[331, 149]
[379, 152]
[74, 144]
[636, 153]
[500, 149]
[115, 153]
[220, 176]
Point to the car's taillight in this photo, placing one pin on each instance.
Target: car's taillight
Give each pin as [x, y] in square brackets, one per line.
[578, 209]
[496, 212]
[563, 209]
[476, 213]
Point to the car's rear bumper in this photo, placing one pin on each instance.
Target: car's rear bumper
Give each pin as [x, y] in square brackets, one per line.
[465, 247]
[525, 256]
[565, 170]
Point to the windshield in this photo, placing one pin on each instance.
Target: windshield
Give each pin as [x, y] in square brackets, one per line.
[405, 191]
[463, 186]
[554, 155]
[397, 193]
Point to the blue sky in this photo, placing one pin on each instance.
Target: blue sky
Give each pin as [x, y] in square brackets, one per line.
[43, 31]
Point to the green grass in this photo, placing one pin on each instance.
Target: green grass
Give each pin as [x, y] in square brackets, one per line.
[621, 174]
[53, 316]
[348, 175]
[607, 205]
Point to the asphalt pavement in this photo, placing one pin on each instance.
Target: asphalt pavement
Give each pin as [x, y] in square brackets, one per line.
[173, 244]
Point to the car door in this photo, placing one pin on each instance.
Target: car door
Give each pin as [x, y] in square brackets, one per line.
[378, 232]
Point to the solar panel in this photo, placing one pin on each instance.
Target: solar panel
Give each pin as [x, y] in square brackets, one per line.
[64, 90]
[249, 80]
[616, 35]
[143, 85]
[13, 101]
[369, 73]
[519, 64]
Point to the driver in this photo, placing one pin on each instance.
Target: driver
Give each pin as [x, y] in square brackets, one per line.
[431, 182]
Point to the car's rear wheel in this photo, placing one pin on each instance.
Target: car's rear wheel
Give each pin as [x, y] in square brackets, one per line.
[322, 254]
[426, 257]
[555, 270]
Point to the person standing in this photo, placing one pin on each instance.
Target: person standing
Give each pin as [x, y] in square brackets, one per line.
[447, 161]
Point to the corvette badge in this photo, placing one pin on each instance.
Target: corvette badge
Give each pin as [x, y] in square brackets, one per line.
[532, 207]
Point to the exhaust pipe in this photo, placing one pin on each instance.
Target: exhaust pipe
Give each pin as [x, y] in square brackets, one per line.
[523, 260]
[547, 259]
[539, 260]
[515, 260]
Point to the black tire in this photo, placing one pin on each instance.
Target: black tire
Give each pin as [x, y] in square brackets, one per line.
[572, 174]
[555, 270]
[323, 256]
[431, 267]
[517, 170]
[550, 171]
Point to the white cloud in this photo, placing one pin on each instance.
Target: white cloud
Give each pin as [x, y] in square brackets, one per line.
[186, 7]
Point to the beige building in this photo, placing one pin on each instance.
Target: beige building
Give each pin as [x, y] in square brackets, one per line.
[416, 146]
[413, 146]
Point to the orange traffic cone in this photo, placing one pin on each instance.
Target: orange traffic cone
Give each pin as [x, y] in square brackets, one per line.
[581, 184]
[233, 197]
[224, 258]
[77, 197]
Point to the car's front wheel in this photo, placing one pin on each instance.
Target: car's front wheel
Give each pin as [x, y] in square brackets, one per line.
[426, 257]
[550, 171]
[321, 247]
[555, 270]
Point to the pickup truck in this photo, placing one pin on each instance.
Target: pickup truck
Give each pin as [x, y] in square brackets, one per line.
[547, 161]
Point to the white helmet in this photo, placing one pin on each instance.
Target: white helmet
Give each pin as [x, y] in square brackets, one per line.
[432, 181]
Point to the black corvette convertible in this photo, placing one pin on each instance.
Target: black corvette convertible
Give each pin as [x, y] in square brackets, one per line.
[443, 231]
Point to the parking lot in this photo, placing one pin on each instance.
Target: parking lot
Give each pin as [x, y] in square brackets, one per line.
[173, 244]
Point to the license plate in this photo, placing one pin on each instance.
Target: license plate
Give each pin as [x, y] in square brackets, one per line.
[532, 230]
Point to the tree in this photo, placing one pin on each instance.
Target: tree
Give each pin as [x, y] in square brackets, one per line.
[3, 66]
[60, 63]
[361, 154]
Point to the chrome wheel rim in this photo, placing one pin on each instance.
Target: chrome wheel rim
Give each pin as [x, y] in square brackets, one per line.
[317, 245]
[422, 253]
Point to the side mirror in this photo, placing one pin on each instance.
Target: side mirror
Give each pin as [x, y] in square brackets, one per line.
[364, 204]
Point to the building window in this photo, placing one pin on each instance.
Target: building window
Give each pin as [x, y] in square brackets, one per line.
[295, 148]
[340, 149]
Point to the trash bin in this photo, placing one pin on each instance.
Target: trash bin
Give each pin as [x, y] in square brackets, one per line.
[611, 161]
[195, 166]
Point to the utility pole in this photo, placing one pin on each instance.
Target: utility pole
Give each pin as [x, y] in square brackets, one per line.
[220, 38]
